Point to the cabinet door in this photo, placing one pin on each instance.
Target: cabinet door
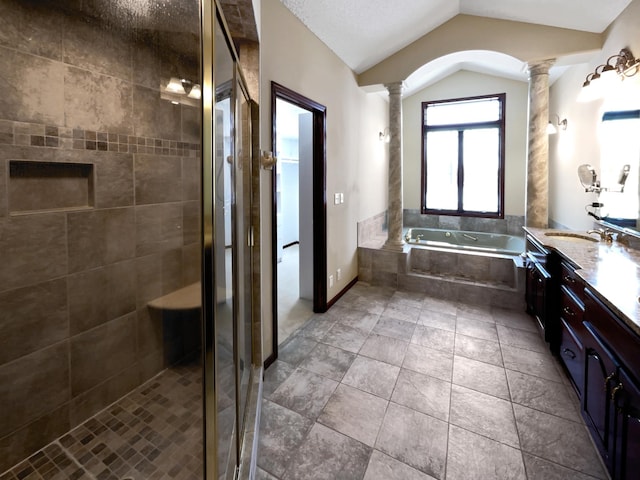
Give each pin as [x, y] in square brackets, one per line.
[627, 447]
[600, 379]
[537, 278]
[572, 355]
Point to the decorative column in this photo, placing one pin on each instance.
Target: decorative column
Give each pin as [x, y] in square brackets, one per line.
[394, 239]
[537, 214]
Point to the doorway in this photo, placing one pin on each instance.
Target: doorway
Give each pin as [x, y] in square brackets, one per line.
[299, 212]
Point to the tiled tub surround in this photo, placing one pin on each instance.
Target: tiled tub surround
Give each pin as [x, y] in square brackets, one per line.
[372, 232]
[609, 269]
[397, 385]
[75, 331]
[455, 275]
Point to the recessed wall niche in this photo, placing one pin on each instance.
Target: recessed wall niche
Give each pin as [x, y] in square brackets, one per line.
[46, 186]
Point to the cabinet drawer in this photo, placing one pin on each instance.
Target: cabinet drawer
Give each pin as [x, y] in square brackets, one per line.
[570, 279]
[571, 310]
[572, 355]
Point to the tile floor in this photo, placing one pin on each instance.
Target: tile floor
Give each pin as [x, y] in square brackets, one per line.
[393, 385]
[155, 432]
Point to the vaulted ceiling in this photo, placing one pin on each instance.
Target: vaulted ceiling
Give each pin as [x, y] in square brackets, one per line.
[365, 32]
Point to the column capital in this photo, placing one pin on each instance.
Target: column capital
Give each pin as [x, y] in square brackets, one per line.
[395, 88]
[540, 68]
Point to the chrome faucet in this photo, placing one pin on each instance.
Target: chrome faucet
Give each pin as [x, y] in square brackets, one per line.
[606, 235]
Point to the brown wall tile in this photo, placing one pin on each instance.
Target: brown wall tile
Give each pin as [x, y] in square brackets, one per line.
[157, 275]
[190, 222]
[147, 66]
[31, 28]
[101, 396]
[191, 260]
[34, 317]
[25, 242]
[23, 442]
[102, 352]
[158, 179]
[191, 124]
[148, 331]
[4, 189]
[155, 117]
[100, 295]
[114, 180]
[88, 45]
[31, 99]
[191, 178]
[26, 382]
[100, 237]
[151, 365]
[158, 228]
[97, 102]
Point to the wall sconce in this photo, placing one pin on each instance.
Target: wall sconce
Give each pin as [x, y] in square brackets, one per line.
[624, 64]
[551, 127]
[384, 135]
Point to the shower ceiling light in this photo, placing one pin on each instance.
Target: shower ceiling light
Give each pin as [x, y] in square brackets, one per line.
[175, 86]
[196, 92]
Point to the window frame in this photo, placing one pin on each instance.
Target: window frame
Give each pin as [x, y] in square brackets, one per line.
[500, 123]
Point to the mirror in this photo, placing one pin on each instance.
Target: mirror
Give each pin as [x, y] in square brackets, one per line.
[618, 187]
[588, 177]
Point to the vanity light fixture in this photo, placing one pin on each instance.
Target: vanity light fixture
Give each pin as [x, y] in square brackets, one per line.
[624, 64]
[551, 127]
[384, 135]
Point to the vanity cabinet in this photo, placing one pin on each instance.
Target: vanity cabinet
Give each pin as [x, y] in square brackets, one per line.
[611, 395]
[599, 350]
[571, 348]
[539, 294]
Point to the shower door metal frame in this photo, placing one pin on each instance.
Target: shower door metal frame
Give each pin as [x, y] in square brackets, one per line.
[212, 18]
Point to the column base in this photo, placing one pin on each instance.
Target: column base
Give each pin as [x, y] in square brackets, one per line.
[394, 245]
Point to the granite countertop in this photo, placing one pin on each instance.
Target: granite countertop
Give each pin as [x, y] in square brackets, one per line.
[611, 270]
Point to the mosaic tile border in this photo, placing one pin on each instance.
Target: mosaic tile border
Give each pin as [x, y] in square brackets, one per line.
[41, 135]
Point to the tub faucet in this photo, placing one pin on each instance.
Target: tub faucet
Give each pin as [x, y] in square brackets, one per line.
[606, 235]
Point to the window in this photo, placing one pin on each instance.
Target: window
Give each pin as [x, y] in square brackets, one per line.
[463, 156]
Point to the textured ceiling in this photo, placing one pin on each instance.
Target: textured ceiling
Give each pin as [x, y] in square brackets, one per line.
[364, 32]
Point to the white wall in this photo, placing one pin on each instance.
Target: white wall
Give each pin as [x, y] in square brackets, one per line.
[467, 84]
[579, 143]
[357, 162]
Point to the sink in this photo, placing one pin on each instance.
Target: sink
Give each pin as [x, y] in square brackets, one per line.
[572, 236]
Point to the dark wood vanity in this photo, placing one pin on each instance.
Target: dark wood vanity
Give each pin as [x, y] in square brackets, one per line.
[599, 348]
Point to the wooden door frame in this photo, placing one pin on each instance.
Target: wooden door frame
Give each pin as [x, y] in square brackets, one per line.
[319, 113]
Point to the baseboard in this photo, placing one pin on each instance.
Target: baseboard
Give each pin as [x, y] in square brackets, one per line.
[331, 302]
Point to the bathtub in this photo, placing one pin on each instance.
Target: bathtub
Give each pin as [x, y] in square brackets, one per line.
[466, 241]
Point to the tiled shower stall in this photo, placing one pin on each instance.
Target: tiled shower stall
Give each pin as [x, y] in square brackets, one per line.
[99, 209]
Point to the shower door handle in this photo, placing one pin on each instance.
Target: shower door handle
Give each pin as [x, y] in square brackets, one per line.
[250, 240]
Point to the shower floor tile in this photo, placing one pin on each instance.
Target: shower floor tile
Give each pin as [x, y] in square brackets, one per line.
[155, 432]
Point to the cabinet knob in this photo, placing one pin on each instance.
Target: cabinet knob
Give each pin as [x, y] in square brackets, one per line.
[569, 353]
[568, 311]
[568, 279]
